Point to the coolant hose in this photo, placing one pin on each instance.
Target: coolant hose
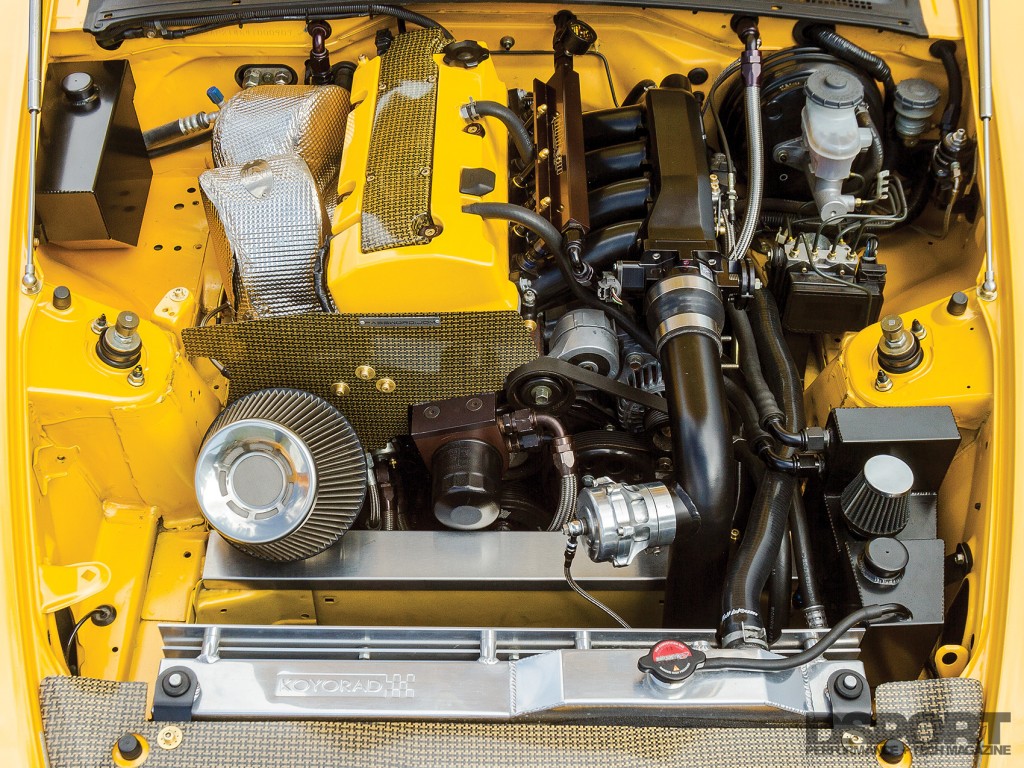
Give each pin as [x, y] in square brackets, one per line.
[517, 130]
[781, 370]
[803, 553]
[637, 92]
[776, 360]
[780, 593]
[741, 622]
[750, 366]
[547, 232]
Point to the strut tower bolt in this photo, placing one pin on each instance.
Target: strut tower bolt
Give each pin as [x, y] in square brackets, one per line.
[917, 328]
[882, 381]
[99, 325]
[137, 378]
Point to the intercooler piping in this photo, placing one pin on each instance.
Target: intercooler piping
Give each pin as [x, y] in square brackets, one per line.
[686, 313]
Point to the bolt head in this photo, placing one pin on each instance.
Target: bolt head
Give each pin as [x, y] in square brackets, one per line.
[541, 394]
[365, 372]
[386, 385]
[431, 411]
[340, 388]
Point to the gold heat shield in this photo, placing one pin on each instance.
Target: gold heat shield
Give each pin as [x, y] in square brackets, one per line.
[419, 358]
[396, 201]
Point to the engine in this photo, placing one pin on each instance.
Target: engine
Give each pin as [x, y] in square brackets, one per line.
[470, 309]
[478, 361]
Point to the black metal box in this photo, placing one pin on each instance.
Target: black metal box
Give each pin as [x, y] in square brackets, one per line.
[93, 171]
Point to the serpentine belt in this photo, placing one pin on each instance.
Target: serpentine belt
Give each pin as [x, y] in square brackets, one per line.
[553, 367]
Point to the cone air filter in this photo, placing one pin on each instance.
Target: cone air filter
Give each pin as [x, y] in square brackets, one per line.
[877, 501]
[281, 474]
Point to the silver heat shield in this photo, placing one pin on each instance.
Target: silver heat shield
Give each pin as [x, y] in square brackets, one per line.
[277, 150]
[270, 120]
[267, 223]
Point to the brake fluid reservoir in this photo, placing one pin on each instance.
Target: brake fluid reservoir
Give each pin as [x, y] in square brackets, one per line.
[833, 136]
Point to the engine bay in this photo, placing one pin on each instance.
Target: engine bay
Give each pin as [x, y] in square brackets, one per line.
[459, 336]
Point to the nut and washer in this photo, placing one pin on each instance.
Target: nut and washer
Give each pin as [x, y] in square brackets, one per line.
[365, 372]
[170, 737]
[340, 388]
[386, 385]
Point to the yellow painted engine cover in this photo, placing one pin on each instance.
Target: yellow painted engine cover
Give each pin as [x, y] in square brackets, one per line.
[465, 267]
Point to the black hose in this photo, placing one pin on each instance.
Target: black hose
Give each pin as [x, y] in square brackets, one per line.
[741, 622]
[192, 140]
[162, 133]
[945, 51]
[619, 201]
[803, 553]
[776, 361]
[705, 470]
[637, 92]
[876, 150]
[517, 131]
[745, 408]
[868, 613]
[605, 127]
[601, 249]
[750, 366]
[780, 591]
[830, 40]
[547, 232]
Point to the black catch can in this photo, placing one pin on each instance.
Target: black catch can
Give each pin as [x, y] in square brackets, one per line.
[93, 169]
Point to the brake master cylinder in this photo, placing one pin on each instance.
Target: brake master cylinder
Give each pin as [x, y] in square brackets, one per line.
[832, 136]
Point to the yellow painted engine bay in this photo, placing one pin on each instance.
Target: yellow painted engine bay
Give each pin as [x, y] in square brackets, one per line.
[414, 317]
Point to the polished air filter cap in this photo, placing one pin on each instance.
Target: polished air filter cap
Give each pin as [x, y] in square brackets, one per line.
[281, 474]
[877, 501]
